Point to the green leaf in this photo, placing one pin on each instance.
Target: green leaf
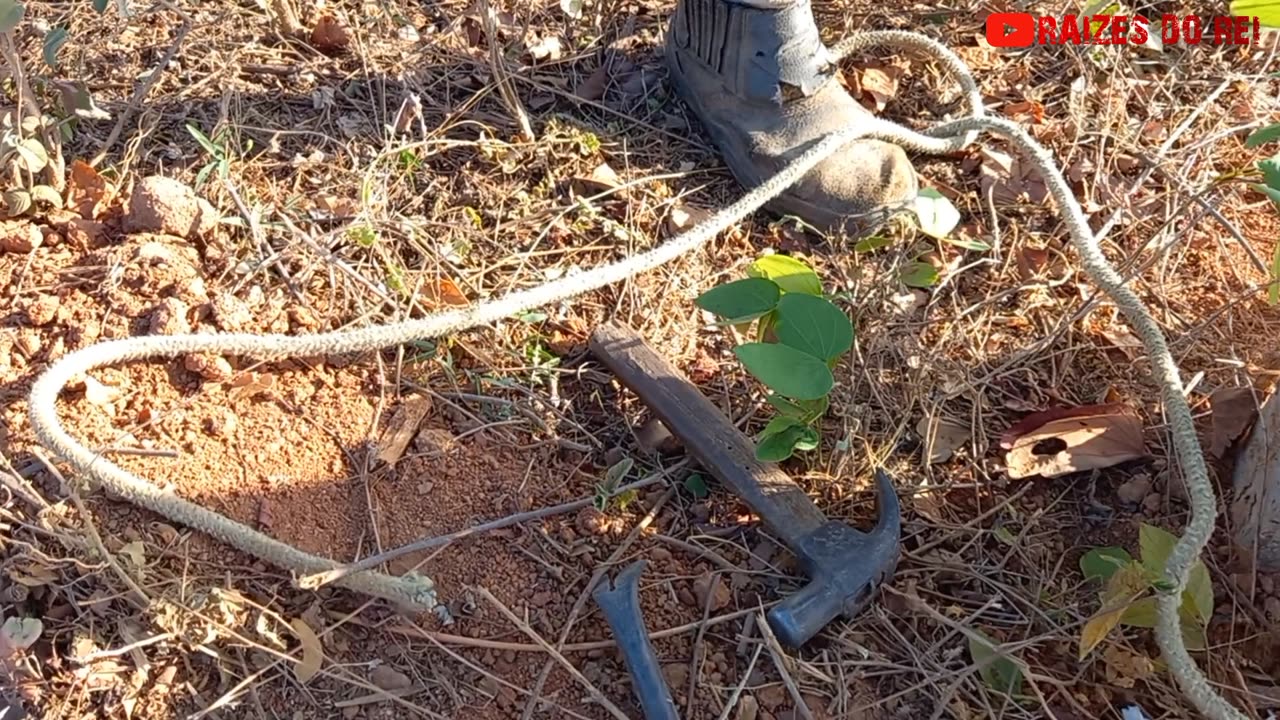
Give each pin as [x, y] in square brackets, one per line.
[1101, 563]
[967, 243]
[785, 406]
[46, 194]
[32, 155]
[53, 42]
[1193, 636]
[875, 242]
[205, 142]
[741, 300]
[1267, 11]
[813, 325]
[1271, 172]
[1270, 192]
[789, 273]
[1141, 613]
[808, 440]
[696, 485]
[793, 373]
[936, 214]
[1001, 674]
[1154, 545]
[780, 445]
[1263, 135]
[779, 424]
[11, 12]
[1199, 593]
[16, 202]
[919, 275]
[1273, 294]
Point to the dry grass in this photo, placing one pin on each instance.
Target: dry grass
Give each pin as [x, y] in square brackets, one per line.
[331, 209]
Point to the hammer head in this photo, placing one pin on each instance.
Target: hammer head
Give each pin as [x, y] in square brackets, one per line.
[845, 567]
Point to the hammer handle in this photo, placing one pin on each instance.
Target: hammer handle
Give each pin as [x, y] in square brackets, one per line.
[707, 433]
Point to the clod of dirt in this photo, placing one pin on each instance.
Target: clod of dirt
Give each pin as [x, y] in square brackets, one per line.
[713, 586]
[677, 674]
[170, 318]
[42, 310]
[388, 678]
[163, 205]
[591, 521]
[655, 438]
[1136, 490]
[214, 368]
[748, 708]
[19, 237]
[330, 36]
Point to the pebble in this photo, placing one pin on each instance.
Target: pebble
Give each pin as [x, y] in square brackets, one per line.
[748, 708]
[1135, 490]
[686, 597]
[712, 586]
[660, 554]
[591, 521]
[388, 678]
[677, 675]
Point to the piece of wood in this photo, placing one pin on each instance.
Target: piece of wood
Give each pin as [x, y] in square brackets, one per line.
[1255, 508]
[707, 433]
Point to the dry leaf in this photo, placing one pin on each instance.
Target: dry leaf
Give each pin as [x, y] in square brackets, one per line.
[444, 291]
[1125, 668]
[410, 110]
[312, 652]
[683, 217]
[941, 439]
[880, 84]
[546, 48]
[1010, 179]
[403, 426]
[249, 384]
[602, 179]
[87, 192]
[1124, 340]
[330, 36]
[1025, 107]
[1232, 411]
[337, 207]
[1067, 440]
[135, 553]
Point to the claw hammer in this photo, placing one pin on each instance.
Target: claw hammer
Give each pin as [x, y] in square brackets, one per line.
[844, 565]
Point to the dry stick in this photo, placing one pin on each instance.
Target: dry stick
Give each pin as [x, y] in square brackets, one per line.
[141, 91]
[546, 646]
[742, 684]
[695, 664]
[586, 592]
[311, 582]
[140, 596]
[779, 655]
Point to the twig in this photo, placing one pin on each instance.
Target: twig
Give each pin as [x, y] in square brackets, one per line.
[311, 582]
[546, 646]
[778, 655]
[92, 529]
[501, 77]
[141, 91]
[737, 690]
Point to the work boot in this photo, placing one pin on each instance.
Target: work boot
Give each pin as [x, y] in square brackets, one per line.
[764, 87]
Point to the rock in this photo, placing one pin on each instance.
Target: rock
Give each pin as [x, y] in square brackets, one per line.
[19, 237]
[686, 597]
[163, 205]
[42, 310]
[214, 368]
[660, 554]
[654, 438]
[1135, 490]
[591, 521]
[748, 708]
[388, 678]
[677, 675]
[713, 586]
[170, 318]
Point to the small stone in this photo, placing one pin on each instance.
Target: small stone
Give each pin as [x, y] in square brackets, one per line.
[170, 318]
[540, 599]
[613, 456]
[388, 678]
[660, 554]
[748, 708]
[591, 521]
[655, 438]
[165, 206]
[1151, 504]
[1135, 490]
[677, 675]
[19, 237]
[713, 586]
[686, 597]
[213, 368]
[42, 310]
[772, 697]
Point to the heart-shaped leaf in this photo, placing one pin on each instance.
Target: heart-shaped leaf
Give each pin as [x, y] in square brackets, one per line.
[1102, 563]
[741, 300]
[936, 214]
[789, 372]
[789, 273]
[814, 325]
[32, 155]
[53, 42]
[919, 275]
[1267, 134]
[780, 445]
[1000, 673]
[11, 12]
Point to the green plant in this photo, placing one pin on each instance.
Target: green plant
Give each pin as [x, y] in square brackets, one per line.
[801, 335]
[46, 110]
[1127, 584]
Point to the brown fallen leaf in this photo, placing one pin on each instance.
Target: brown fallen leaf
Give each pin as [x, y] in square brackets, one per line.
[444, 291]
[879, 84]
[250, 384]
[1025, 107]
[330, 36]
[1232, 412]
[337, 207]
[941, 438]
[1061, 441]
[403, 426]
[545, 48]
[594, 86]
[88, 193]
[683, 217]
[312, 651]
[603, 178]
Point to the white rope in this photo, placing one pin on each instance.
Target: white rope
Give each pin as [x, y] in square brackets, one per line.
[418, 591]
